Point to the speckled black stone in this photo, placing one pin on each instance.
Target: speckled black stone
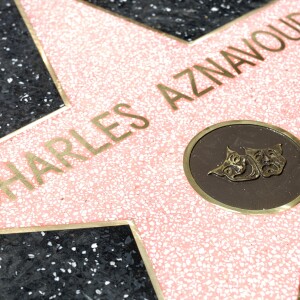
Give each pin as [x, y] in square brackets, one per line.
[185, 19]
[27, 91]
[93, 263]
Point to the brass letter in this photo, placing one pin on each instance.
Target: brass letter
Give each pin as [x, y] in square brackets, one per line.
[290, 17]
[33, 159]
[18, 176]
[87, 145]
[107, 129]
[193, 82]
[254, 38]
[172, 101]
[133, 125]
[60, 155]
[255, 54]
[221, 71]
[241, 61]
[284, 34]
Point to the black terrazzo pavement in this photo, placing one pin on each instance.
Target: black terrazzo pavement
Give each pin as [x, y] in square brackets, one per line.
[185, 19]
[27, 91]
[93, 263]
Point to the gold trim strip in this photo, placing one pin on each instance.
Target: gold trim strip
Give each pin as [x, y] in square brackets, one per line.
[147, 261]
[196, 41]
[195, 186]
[50, 70]
[131, 224]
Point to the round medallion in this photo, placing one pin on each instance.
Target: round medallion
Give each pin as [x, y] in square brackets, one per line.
[246, 166]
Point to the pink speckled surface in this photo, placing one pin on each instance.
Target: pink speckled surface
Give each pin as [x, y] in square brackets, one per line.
[198, 250]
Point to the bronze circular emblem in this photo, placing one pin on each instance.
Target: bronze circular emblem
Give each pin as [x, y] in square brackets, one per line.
[246, 166]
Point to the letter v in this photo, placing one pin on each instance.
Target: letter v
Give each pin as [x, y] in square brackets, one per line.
[254, 53]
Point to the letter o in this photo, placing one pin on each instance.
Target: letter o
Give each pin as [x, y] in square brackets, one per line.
[254, 38]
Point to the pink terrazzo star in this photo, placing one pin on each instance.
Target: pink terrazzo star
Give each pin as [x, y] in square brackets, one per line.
[198, 250]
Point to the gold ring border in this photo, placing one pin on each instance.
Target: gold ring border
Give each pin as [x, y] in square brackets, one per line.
[51, 71]
[192, 143]
[182, 41]
[131, 224]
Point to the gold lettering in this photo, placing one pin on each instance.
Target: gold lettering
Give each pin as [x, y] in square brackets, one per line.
[290, 17]
[235, 65]
[221, 71]
[172, 100]
[261, 32]
[255, 54]
[107, 129]
[284, 34]
[32, 160]
[67, 151]
[133, 125]
[191, 76]
[87, 145]
[18, 176]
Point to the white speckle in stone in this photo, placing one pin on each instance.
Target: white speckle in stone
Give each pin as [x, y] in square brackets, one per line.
[246, 250]
[73, 264]
[201, 250]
